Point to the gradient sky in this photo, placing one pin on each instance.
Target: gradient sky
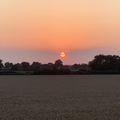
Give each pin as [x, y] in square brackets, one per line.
[38, 30]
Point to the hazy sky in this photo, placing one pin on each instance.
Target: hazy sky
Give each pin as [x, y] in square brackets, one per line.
[38, 30]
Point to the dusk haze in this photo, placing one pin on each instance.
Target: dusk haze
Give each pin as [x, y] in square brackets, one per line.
[39, 30]
[59, 59]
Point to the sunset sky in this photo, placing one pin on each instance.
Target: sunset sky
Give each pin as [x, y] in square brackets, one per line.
[39, 30]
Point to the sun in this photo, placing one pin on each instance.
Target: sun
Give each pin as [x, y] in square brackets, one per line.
[62, 54]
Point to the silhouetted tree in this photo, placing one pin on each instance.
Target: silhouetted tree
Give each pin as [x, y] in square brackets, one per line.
[25, 65]
[117, 66]
[84, 65]
[58, 64]
[48, 66]
[102, 62]
[35, 66]
[1, 64]
[16, 66]
[8, 65]
[76, 66]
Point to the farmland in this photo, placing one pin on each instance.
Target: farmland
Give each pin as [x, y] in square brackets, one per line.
[60, 97]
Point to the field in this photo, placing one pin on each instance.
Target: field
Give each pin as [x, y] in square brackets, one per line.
[55, 97]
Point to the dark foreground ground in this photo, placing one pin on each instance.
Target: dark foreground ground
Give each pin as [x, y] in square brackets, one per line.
[67, 97]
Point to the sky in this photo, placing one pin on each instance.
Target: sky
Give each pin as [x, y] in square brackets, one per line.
[39, 30]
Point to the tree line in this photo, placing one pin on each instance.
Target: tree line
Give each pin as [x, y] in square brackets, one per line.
[100, 64]
[105, 63]
[28, 66]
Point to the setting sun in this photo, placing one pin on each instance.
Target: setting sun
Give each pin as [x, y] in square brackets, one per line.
[62, 54]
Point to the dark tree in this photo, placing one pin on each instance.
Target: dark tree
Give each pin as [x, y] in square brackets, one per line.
[16, 66]
[35, 66]
[102, 62]
[8, 65]
[25, 65]
[117, 66]
[84, 65]
[58, 64]
[1, 64]
[76, 66]
[48, 66]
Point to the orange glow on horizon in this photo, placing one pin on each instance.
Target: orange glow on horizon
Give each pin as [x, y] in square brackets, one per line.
[61, 25]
